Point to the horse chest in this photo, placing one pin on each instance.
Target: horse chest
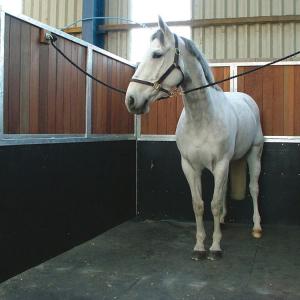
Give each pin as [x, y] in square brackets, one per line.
[198, 148]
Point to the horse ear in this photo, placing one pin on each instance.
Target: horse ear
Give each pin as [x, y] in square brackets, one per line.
[164, 27]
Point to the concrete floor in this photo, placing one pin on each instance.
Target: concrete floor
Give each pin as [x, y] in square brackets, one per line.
[152, 260]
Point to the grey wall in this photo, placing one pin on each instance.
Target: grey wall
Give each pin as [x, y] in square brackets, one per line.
[56, 13]
[246, 42]
[219, 43]
[229, 43]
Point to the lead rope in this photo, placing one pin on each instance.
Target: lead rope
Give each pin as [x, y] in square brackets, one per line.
[240, 74]
[52, 38]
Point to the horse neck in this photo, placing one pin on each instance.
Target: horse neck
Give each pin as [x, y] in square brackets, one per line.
[198, 104]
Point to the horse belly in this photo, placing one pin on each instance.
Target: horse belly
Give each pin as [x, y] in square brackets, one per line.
[245, 138]
[241, 150]
[248, 130]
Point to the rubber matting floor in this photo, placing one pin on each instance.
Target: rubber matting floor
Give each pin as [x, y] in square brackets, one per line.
[152, 260]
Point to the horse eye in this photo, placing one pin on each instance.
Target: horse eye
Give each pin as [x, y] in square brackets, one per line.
[156, 55]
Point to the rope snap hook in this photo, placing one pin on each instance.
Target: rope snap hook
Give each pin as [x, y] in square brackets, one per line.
[51, 37]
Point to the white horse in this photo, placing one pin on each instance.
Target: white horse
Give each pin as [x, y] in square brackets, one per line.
[216, 130]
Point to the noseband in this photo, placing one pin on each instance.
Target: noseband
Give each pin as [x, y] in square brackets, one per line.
[157, 85]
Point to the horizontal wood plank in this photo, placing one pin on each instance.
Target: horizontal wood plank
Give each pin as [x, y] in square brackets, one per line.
[209, 22]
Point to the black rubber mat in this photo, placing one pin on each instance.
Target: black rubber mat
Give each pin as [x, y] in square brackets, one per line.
[152, 260]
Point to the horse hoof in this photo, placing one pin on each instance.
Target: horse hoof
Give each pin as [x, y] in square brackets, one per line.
[257, 233]
[215, 255]
[199, 255]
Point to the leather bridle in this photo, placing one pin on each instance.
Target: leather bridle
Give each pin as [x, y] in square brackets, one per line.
[157, 85]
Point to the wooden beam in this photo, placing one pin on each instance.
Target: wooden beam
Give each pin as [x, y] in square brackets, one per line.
[73, 30]
[209, 22]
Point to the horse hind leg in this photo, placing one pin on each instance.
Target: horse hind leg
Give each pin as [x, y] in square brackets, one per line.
[254, 164]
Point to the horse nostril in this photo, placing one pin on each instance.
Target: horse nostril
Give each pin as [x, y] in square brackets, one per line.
[131, 101]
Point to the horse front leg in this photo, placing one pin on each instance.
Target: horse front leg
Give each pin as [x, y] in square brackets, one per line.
[220, 173]
[224, 207]
[194, 179]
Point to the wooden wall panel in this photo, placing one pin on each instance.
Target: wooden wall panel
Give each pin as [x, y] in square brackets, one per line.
[81, 90]
[288, 93]
[43, 89]
[59, 104]
[109, 113]
[43, 93]
[34, 82]
[276, 92]
[52, 85]
[74, 82]
[278, 101]
[25, 80]
[164, 115]
[14, 76]
[222, 73]
[297, 101]
[67, 89]
[6, 74]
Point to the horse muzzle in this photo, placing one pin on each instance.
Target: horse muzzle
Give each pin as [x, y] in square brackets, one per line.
[136, 106]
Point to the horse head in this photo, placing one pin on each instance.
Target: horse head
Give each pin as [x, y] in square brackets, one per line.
[159, 73]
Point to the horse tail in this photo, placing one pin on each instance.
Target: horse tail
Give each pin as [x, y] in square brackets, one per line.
[238, 178]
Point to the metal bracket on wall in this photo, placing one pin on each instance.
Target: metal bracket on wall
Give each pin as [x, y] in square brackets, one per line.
[45, 36]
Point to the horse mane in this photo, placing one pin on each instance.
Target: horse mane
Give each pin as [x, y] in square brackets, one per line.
[193, 49]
